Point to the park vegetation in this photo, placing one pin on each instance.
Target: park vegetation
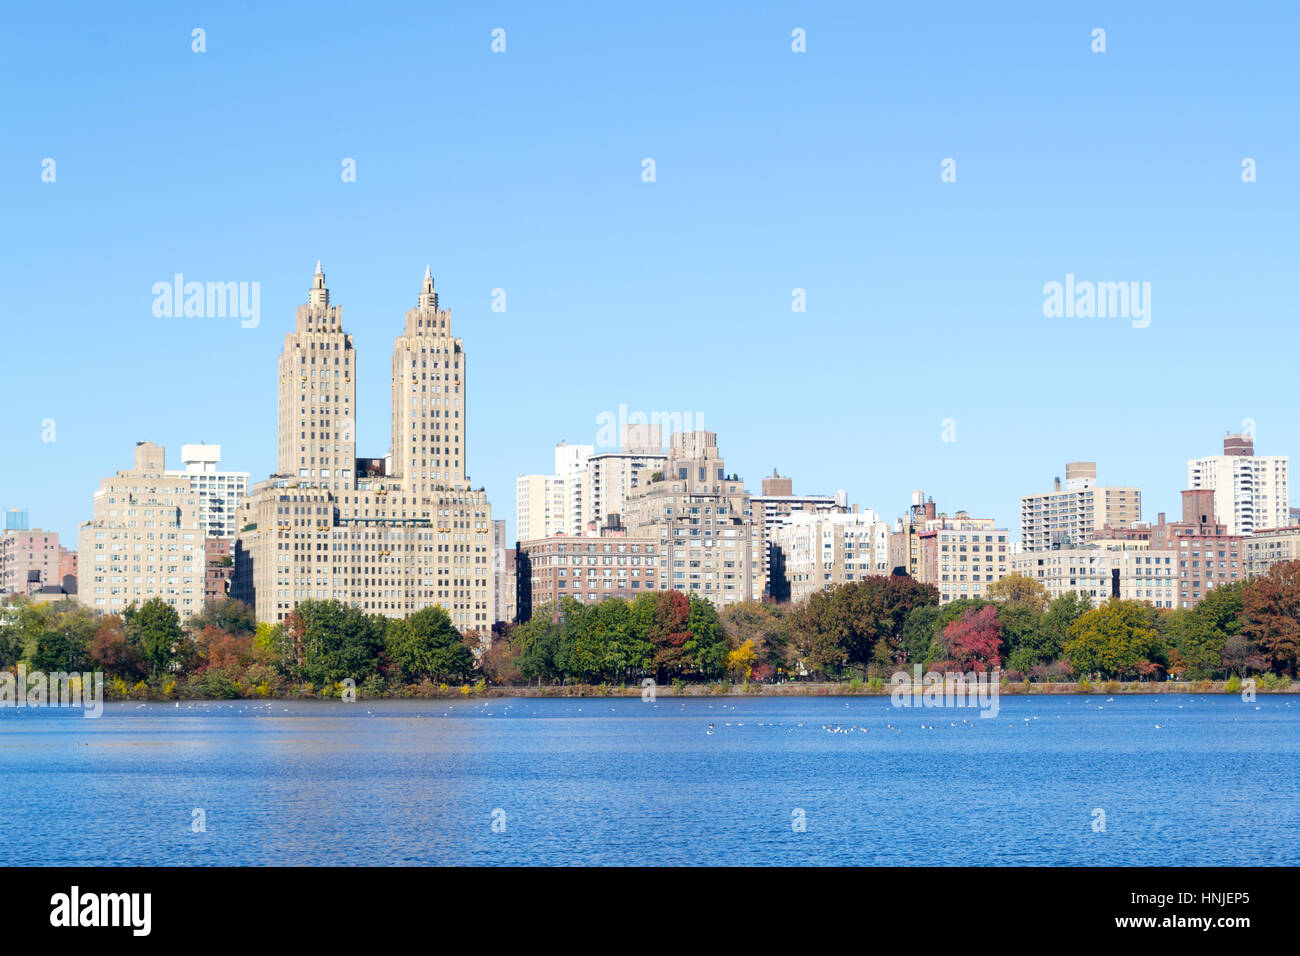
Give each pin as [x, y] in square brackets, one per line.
[860, 632]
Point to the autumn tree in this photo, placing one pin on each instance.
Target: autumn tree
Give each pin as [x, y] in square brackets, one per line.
[1114, 640]
[973, 642]
[1019, 589]
[1271, 606]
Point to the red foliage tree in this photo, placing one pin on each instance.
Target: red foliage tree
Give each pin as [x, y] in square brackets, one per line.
[973, 641]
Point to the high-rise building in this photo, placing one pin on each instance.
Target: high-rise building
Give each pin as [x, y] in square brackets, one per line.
[774, 507]
[503, 575]
[611, 476]
[144, 540]
[1071, 516]
[814, 552]
[389, 535]
[962, 556]
[553, 504]
[219, 492]
[699, 516]
[16, 519]
[1251, 492]
[30, 559]
[1208, 556]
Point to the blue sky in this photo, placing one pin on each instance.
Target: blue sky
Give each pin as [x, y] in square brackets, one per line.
[774, 170]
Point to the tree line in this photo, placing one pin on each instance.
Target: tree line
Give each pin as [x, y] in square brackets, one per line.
[858, 630]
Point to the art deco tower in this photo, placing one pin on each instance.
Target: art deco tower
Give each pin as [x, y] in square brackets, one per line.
[429, 399]
[318, 395]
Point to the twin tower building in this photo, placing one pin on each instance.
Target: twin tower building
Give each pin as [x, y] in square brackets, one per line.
[389, 535]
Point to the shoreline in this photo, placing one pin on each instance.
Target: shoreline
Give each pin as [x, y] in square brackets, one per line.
[726, 690]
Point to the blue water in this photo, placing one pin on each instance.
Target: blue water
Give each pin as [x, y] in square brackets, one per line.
[626, 782]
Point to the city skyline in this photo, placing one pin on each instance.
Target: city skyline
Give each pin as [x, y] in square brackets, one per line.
[925, 303]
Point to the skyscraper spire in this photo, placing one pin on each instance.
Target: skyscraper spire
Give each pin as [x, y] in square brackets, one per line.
[428, 297]
[319, 295]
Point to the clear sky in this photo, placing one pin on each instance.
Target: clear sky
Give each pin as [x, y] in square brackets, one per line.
[775, 170]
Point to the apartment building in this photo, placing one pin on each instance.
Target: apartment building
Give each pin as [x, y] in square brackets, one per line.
[219, 492]
[1072, 515]
[1131, 572]
[389, 534]
[1208, 556]
[962, 556]
[144, 540]
[611, 476]
[1251, 492]
[814, 552]
[698, 515]
[30, 559]
[771, 509]
[589, 569]
[1263, 549]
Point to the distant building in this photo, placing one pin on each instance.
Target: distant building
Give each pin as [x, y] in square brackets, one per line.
[1251, 492]
[503, 575]
[16, 519]
[29, 560]
[218, 569]
[587, 569]
[962, 556]
[1072, 515]
[220, 492]
[699, 517]
[1263, 549]
[774, 507]
[1132, 572]
[1208, 556]
[144, 540]
[814, 552]
[610, 477]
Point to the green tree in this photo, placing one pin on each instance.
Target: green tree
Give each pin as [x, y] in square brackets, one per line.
[326, 641]
[426, 646]
[64, 646]
[154, 629]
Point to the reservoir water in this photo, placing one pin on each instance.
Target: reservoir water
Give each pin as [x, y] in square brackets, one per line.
[1151, 780]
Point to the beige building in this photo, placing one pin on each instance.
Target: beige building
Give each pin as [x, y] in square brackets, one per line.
[1264, 549]
[144, 540]
[610, 477]
[698, 515]
[553, 504]
[962, 556]
[1072, 515]
[387, 535]
[30, 559]
[1131, 571]
[1251, 492]
[774, 507]
[815, 552]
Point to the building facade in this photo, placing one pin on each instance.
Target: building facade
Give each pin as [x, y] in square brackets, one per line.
[814, 552]
[390, 535]
[962, 556]
[1264, 549]
[610, 477]
[30, 559]
[1251, 492]
[589, 569]
[1132, 572]
[1208, 556]
[769, 510]
[1073, 515]
[144, 540]
[219, 492]
[699, 517]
